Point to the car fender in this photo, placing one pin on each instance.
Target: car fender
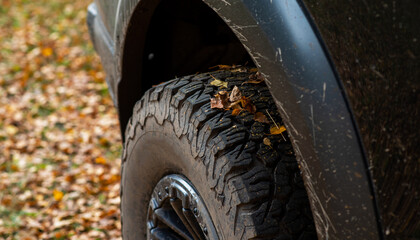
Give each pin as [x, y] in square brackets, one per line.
[288, 51]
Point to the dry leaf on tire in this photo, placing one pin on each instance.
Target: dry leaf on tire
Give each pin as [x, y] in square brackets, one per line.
[235, 95]
[220, 100]
[236, 112]
[219, 83]
[274, 130]
[255, 78]
[240, 69]
[235, 105]
[223, 67]
[267, 142]
[246, 104]
[260, 117]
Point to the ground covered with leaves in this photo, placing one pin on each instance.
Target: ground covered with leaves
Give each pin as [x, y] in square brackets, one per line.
[59, 135]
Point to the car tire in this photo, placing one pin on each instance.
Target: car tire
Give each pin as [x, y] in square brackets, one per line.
[242, 185]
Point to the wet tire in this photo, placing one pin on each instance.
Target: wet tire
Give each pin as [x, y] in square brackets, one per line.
[251, 186]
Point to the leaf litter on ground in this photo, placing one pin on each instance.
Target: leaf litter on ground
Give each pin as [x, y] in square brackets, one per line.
[59, 135]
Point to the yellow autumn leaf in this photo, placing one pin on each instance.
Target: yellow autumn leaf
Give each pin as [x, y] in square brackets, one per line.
[277, 130]
[223, 67]
[219, 83]
[58, 195]
[11, 130]
[100, 160]
[46, 52]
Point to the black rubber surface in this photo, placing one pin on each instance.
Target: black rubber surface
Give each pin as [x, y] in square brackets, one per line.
[252, 190]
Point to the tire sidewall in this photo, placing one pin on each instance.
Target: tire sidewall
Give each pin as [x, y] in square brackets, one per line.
[158, 152]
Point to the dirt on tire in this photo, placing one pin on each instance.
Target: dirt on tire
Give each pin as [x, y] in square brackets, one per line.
[250, 177]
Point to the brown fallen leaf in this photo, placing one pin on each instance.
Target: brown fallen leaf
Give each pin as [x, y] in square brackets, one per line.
[255, 78]
[247, 105]
[260, 117]
[274, 130]
[216, 103]
[254, 81]
[245, 101]
[104, 142]
[235, 95]
[6, 201]
[220, 100]
[44, 143]
[267, 142]
[223, 95]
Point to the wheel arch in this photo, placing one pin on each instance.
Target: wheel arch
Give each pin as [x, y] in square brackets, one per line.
[164, 39]
[281, 42]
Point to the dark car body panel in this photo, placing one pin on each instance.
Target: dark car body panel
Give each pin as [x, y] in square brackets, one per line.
[375, 46]
[286, 49]
[285, 45]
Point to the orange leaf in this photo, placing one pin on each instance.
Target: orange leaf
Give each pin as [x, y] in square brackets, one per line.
[46, 52]
[100, 160]
[58, 235]
[235, 105]
[69, 178]
[58, 195]
[236, 112]
[277, 130]
[245, 101]
[223, 67]
[14, 168]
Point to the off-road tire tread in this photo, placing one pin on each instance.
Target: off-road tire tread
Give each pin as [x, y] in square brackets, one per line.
[259, 185]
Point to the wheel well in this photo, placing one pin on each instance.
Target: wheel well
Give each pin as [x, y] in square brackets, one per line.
[173, 39]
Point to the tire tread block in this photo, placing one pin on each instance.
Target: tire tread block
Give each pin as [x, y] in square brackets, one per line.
[252, 181]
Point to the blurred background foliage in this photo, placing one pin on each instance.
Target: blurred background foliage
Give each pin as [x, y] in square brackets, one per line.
[59, 133]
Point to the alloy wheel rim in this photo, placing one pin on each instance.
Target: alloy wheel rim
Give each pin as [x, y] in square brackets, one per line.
[176, 211]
